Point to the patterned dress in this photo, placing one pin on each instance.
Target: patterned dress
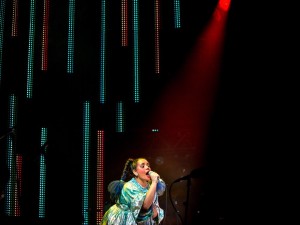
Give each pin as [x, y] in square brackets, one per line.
[128, 208]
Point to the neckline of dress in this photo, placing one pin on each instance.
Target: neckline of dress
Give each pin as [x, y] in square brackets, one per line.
[140, 184]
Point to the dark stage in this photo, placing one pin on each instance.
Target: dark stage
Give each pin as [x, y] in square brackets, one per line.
[85, 85]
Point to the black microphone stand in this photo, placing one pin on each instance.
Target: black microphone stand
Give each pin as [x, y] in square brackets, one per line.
[11, 130]
[187, 200]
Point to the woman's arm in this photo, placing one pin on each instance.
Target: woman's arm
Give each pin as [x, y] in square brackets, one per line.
[150, 196]
[151, 191]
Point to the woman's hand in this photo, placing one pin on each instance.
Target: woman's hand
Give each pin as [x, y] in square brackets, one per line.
[155, 213]
[154, 176]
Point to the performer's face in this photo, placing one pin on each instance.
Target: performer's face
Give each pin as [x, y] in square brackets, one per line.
[143, 167]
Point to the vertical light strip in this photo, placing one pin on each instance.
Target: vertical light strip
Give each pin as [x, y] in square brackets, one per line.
[30, 50]
[120, 117]
[10, 193]
[177, 17]
[42, 186]
[71, 30]
[156, 39]
[136, 82]
[18, 187]
[14, 21]
[103, 53]
[100, 176]
[124, 22]
[85, 162]
[2, 18]
[45, 36]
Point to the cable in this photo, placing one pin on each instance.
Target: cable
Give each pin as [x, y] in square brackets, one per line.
[170, 196]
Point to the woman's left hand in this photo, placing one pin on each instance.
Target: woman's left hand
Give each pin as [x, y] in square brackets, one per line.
[155, 213]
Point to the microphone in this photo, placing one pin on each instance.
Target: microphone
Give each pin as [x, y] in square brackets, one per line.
[161, 185]
[196, 173]
[159, 179]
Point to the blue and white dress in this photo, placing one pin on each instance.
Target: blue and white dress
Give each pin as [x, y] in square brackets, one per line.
[128, 208]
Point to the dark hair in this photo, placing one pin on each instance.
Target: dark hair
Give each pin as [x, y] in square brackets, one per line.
[127, 171]
[115, 187]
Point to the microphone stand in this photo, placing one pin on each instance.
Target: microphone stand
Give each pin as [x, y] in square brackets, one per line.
[187, 200]
[11, 130]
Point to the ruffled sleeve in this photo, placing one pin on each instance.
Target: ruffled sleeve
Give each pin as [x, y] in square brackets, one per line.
[134, 195]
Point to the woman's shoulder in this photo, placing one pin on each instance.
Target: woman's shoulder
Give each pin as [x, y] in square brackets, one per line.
[133, 185]
[130, 184]
[130, 187]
